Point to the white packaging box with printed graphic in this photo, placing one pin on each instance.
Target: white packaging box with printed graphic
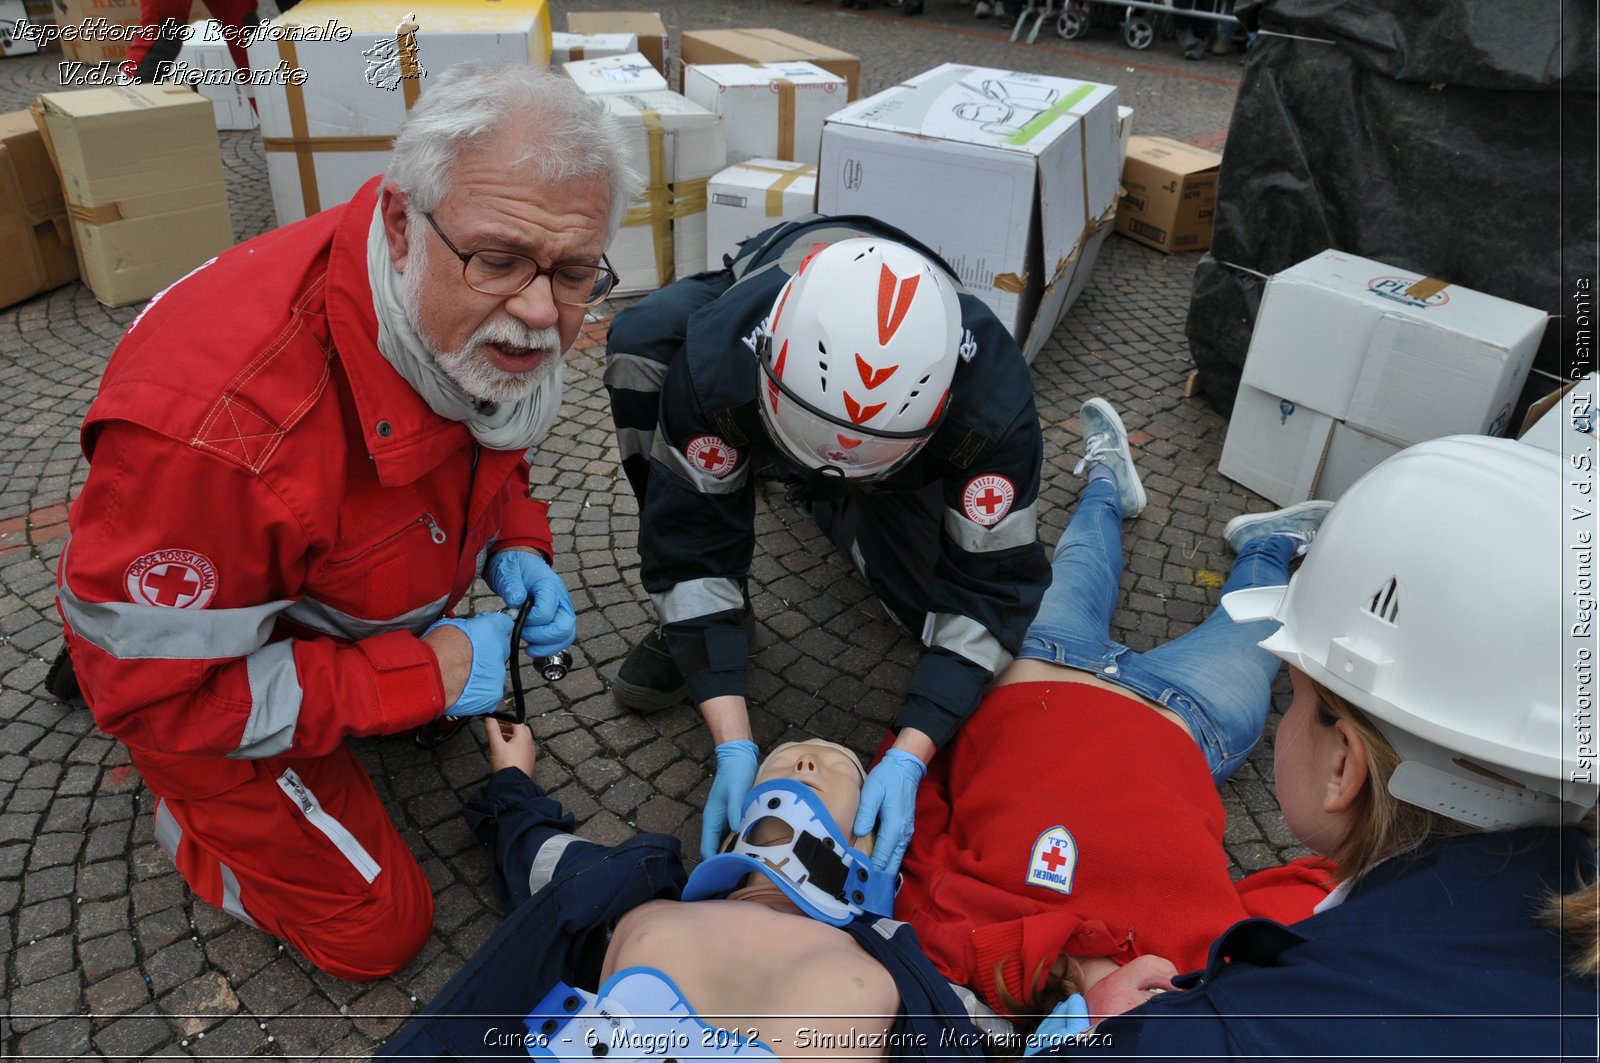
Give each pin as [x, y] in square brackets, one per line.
[205, 49]
[613, 74]
[327, 133]
[1008, 175]
[771, 110]
[1393, 352]
[754, 195]
[14, 17]
[677, 145]
[573, 47]
[1275, 446]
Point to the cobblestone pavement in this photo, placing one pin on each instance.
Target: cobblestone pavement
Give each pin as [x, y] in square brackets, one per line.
[106, 955]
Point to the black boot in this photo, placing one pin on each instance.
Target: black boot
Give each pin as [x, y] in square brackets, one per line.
[649, 680]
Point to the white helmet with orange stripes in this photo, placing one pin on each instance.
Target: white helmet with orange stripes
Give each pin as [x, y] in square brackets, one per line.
[858, 356]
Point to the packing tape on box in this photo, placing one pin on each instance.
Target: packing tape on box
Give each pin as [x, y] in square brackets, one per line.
[575, 55]
[776, 190]
[689, 197]
[1014, 283]
[1427, 288]
[656, 208]
[785, 89]
[104, 214]
[305, 146]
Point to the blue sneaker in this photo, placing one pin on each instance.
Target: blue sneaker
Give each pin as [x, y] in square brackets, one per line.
[1299, 522]
[1105, 441]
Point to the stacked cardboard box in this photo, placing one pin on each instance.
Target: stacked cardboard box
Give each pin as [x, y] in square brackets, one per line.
[754, 195]
[35, 233]
[204, 48]
[14, 15]
[771, 110]
[141, 169]
[646, 27]
[706, 47]
[612, 74]
[1011, 177]
[1170, 193]
[572, 47]
[1352, 360]
[677, 145]
[328, 132]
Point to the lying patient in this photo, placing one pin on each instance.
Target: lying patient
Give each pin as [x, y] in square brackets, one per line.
[785, 952]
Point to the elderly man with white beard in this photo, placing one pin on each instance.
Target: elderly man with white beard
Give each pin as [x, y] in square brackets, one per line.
[300, 457]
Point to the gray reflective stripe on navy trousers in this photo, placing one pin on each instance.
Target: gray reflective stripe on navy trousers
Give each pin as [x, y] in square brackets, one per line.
[703, 481]
[633, 372]
[697, 597]
[965, 637]
[169, 833]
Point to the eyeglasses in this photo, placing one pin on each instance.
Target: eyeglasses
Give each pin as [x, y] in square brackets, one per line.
[503, 273]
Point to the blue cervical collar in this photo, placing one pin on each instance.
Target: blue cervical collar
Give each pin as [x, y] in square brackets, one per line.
[827, 878]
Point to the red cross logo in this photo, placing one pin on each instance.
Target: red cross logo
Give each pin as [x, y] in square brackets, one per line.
[988, 499]
[1053, 859]
[171, 579]
[712, 455]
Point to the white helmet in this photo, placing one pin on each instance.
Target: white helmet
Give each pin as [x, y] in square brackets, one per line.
[1432, 600]
[858, 355]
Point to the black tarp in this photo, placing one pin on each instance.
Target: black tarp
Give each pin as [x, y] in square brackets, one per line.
[1455, 138]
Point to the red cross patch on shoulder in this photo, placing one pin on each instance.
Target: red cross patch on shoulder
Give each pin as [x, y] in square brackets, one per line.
[710, 454]
[987, 499]
[173, 579]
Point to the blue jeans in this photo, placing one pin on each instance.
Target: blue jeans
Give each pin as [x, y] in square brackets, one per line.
[1214, 677]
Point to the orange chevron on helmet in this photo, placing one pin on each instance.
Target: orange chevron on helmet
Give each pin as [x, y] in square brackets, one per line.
[873, 377]
[894, 300]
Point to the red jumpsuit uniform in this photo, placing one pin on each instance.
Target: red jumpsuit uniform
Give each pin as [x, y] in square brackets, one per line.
[271, 517]
[995, 888]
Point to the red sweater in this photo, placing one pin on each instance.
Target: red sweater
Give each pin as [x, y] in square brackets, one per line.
[1066, 816]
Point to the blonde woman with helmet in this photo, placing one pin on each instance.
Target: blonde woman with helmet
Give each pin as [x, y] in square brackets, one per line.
[1428, 752]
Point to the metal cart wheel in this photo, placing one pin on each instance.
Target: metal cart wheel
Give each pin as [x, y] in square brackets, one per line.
[1138, 33]
[1073, 23]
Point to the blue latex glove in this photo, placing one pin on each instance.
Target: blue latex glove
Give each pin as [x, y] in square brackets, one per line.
[1068, 1020]
[490, 635]
[552, 625]
[889, 798]
[736, 774]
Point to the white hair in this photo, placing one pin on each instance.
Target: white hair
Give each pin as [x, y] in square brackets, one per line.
[567, 134]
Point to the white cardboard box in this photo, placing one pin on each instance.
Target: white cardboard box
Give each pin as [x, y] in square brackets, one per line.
[572, 47]
[12, 15]
[328, 135]
[1007, 175]
[1406, 357]
[1275, 446]
[1567, 427]
[751, 196]
[612, 74]
[771, 110]
[1351, 454]
[677, 145]
[204, 49]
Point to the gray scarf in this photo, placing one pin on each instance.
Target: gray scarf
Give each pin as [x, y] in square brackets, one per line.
[514, 426]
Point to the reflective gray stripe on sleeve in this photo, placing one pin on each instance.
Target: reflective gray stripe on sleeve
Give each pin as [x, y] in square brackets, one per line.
[131, 632]
[886, 927]
[1020, 527]
[983, 1017]
[698, 597]
[703, 481]
[231, 902]
[634, 442]
[319, 616]
[546, 859]
[168, 831]
[965, 637]
[274, 702]
[633, 372]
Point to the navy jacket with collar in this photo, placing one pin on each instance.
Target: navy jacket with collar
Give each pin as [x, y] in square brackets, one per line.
[1437, 954]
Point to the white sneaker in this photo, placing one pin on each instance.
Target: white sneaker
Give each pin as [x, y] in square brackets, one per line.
[999, 9]
[1105, 440]
[981, 9]
[1298, 522]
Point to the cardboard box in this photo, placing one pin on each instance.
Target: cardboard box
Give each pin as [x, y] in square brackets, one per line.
[1351, 454]
[35, 232]
[677, 145]
[771, 110]
[1169, 194]
[205, 49]
[612, 74]
[754, 195]
[1007, 175]
[704, 47]
[1395, 354]
[327, 135]
[572, 47]
[644, 25]
[1563, 421]
[13, 12]
[141, 170]
[1274, 446]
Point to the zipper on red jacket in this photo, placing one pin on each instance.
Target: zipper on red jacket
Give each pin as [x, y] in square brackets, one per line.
[337, 833]
[435, 532]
